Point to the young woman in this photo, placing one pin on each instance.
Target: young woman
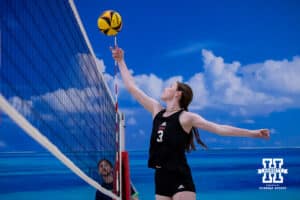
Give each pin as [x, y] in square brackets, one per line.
[174, 128]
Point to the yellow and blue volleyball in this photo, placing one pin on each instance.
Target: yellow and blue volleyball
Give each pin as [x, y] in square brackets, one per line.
[110, 22]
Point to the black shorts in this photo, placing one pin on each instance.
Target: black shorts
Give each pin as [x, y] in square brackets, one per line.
[168, 183]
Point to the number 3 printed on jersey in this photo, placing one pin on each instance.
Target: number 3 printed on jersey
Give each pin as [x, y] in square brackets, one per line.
[160, 135]
[160, 132]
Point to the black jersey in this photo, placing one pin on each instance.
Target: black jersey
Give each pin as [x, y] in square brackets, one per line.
[168, 142]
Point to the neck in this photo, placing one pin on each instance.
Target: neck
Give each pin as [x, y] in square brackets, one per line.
[108, 178]
[172, 106]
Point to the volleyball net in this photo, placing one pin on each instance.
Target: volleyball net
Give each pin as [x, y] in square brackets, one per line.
[52, 86]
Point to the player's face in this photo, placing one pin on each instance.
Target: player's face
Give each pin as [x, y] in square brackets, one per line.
[169, 92]
[104, 168]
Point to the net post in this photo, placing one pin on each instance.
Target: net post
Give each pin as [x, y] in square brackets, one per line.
[121, 149]
[126, 176]
[118, 166]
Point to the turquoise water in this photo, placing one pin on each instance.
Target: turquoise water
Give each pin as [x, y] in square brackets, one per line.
[218, 174]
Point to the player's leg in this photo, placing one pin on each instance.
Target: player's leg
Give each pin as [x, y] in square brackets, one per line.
[160, 197]
[185, 195]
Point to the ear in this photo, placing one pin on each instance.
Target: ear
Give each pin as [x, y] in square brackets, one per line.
[178, 93]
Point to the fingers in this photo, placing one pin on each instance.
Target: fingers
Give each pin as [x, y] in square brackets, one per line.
[116, 50]
[117, 53]
[265, 133]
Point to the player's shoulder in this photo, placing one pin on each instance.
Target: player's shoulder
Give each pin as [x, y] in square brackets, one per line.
[186, 116]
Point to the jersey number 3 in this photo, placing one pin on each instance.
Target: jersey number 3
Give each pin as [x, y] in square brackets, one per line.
[160, 136]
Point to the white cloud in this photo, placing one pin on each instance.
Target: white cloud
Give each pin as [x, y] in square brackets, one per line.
[23, 106]
[171, 80]
[233, 88]
[275, 76]
[230, 87]
[224, 85]
[200, 99]
[150, 84]
[73, 100]
[100, 65]
[231, 91]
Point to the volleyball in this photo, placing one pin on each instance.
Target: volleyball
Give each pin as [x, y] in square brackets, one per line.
[110, 22]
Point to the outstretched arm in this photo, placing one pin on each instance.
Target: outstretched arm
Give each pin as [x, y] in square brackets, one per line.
[225, 130]
[147, 102]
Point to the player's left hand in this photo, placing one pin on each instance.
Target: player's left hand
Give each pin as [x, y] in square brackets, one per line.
[262, 133]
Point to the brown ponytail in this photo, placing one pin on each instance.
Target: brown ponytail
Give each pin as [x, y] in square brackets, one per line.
[185, 100]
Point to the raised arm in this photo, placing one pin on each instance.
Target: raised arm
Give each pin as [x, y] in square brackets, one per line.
[147, 102]
[225, 130]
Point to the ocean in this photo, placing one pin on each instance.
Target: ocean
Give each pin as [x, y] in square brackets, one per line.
[219, 174]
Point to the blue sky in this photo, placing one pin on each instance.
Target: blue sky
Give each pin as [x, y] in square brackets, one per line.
[242, 59]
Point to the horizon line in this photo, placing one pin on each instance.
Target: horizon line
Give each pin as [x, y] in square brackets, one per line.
[133, 150]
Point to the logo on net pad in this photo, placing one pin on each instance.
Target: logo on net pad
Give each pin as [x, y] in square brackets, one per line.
[272, 173]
